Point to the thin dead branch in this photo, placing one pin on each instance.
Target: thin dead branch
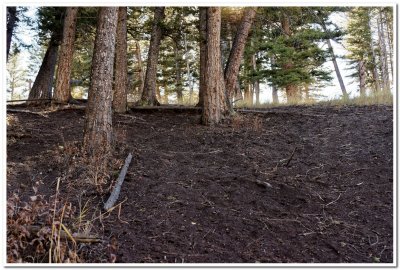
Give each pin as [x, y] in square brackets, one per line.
[117, 189]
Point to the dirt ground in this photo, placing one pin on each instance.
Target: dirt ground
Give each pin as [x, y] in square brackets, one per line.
[300, 184]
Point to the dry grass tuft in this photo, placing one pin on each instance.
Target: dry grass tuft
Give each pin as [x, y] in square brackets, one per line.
[34, 230]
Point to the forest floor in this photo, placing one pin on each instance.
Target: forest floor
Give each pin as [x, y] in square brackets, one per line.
[298, 184]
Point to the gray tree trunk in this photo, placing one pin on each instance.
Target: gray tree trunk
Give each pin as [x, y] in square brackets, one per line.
[275, 98]
[383, 55]
[389, 33]
[337, 71]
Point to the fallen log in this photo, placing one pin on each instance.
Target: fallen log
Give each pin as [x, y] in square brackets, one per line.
[117, 188]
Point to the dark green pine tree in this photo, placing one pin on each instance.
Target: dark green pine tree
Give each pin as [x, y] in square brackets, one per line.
[361, 49]
[292, 40]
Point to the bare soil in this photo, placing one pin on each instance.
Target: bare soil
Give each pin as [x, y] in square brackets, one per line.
[299, 184]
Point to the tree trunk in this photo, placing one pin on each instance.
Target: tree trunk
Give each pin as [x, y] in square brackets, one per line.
[178, 75]
[362, 73]
[214, 88]
[256, 83]
[149, 90]
[307, 92]
[390, 41]
[203, 53]
[121, 64]
[275, 98]
[97, 141]
[291, 93]
[188, 74]
[232, 66]
[165, 93]
[11, 21]
[248, 94]
[140, 67]
[44, 79]
[256, 87]
[337, 71]
[62, 92]
[383, 55]
[374, 69]
[291, 90]
[238, 92]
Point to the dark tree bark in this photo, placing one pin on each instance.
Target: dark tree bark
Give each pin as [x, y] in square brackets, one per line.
[11, 22]
[42, 86]
[149, 91]
[62, 92]
[121, 64]
[178, 75]
[214, 84]
[232, 66]
[291, 90]
[203, 53]
[97, 142]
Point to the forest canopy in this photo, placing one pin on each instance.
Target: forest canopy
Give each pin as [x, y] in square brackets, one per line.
[296, 53]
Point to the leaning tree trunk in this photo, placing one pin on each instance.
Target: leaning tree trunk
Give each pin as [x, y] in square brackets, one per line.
[214, 84]
[337, 71]
[62, 92]
[335, 64]
[149, 91]
[232, 66]
[11, 21]
[203, 53]
[121, 64]
[41, 88]
[97, 141]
